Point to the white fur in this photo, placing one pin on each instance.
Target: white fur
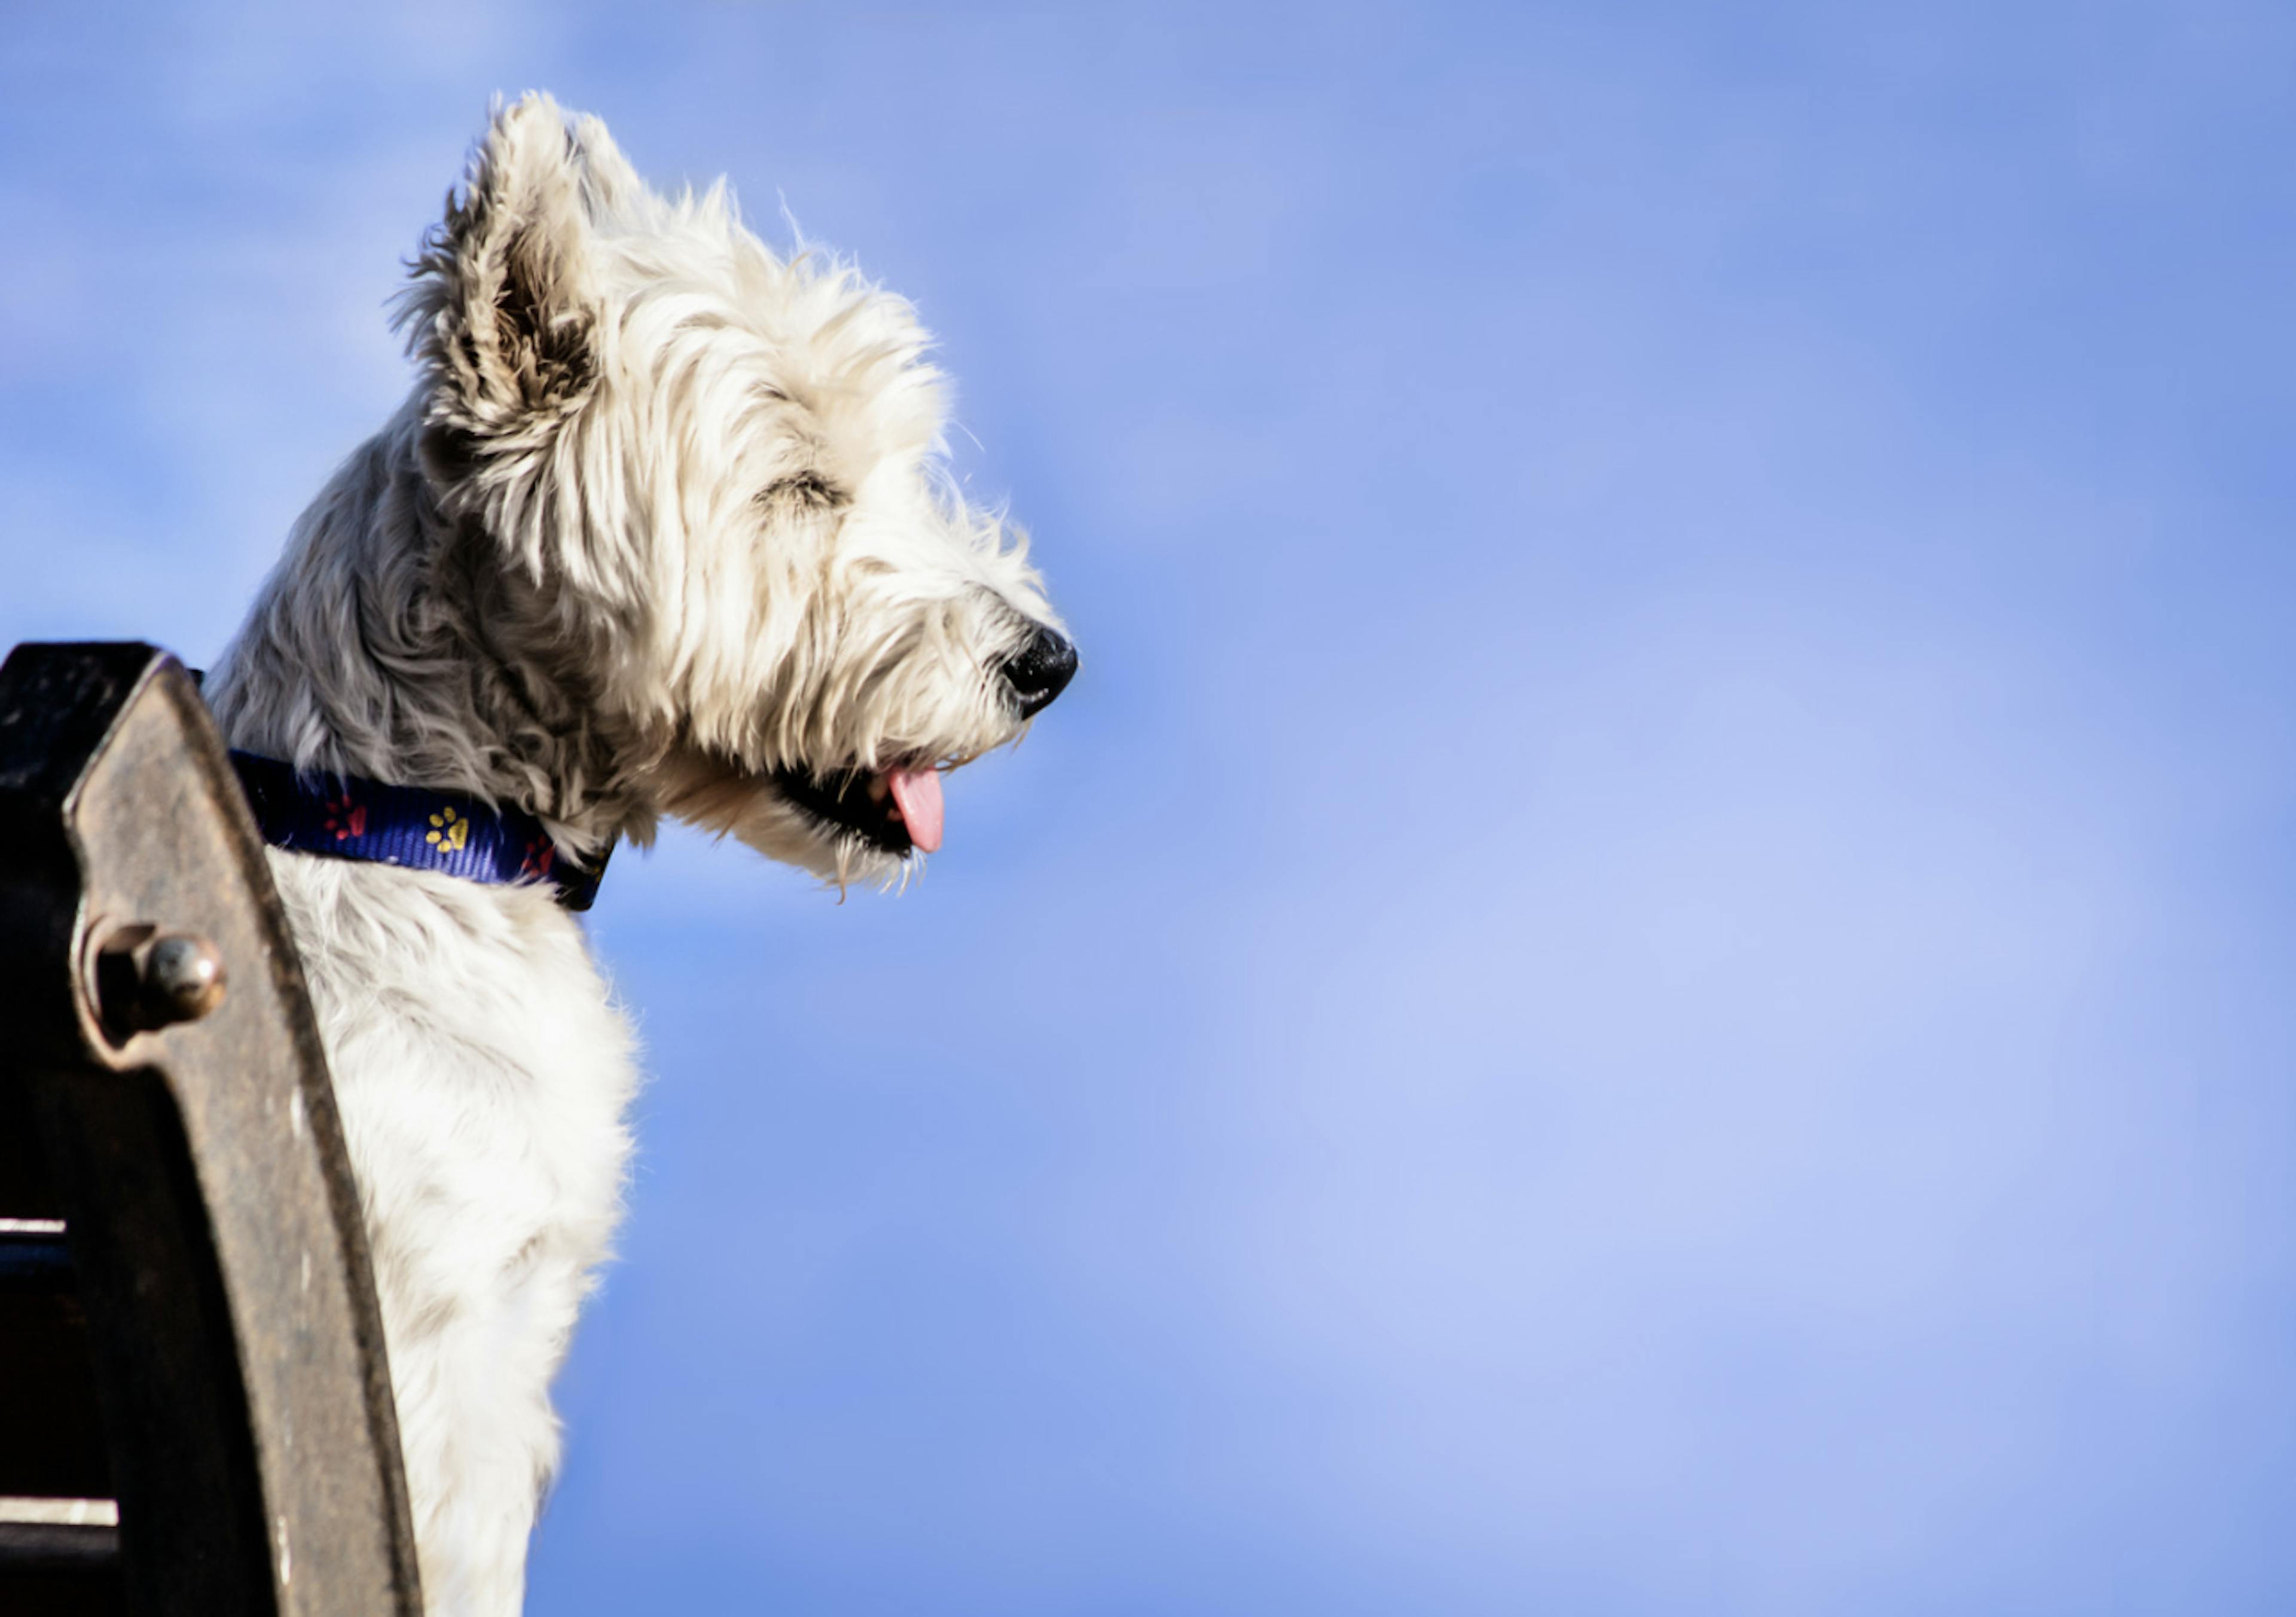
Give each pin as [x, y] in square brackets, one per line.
[663, 517]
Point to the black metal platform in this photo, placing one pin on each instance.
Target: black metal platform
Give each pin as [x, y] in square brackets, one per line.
[195, 1412]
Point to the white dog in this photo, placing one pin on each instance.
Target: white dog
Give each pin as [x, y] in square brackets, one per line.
[662, 529]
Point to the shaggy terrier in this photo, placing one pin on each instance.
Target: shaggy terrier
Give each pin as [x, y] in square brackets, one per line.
[662, 529]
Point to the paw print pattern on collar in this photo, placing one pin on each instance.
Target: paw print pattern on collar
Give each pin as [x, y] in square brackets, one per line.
[351, 817]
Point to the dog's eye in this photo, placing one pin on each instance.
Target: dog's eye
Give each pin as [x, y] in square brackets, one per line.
[807, 489]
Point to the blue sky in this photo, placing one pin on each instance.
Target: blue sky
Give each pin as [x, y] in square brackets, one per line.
[1648, 971]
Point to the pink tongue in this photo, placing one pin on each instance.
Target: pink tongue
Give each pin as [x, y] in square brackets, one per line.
[918, 792]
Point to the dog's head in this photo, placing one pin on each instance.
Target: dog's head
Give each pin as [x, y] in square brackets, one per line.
[710, 479]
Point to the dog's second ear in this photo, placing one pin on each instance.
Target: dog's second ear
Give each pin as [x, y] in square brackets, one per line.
[503, 310]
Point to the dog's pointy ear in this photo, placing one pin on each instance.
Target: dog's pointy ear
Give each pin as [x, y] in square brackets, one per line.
[504, 311]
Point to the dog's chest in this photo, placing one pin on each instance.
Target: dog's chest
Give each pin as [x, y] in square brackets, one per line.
[482, 1071]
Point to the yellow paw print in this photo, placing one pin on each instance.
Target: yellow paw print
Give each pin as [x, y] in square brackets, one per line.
[452, 830]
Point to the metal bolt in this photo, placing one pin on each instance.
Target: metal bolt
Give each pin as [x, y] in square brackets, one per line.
[147, 979]
[184, 978]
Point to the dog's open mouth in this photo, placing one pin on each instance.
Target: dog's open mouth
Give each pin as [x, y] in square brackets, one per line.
[894, 809]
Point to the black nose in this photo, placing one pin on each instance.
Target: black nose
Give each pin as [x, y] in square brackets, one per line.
[1040, 671]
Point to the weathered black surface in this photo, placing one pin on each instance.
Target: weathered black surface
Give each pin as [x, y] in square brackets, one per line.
[220, 1291]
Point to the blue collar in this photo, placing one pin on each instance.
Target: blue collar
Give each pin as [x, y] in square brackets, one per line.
[450, 832]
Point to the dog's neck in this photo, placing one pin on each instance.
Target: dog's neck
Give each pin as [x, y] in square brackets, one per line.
[386, 643]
